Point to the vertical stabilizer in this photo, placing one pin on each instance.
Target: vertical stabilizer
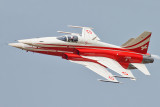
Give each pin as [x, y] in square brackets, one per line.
[139, 44]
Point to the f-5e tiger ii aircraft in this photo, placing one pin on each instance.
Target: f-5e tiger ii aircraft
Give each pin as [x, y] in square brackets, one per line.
[87, 49]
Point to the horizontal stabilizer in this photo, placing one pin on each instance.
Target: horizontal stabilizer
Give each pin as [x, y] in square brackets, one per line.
[142, 68]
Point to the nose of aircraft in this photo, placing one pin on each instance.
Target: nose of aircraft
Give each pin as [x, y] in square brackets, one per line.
[17, 45]
[27, 41]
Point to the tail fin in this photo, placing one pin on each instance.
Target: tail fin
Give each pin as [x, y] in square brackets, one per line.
[139, 44]
[126, 43]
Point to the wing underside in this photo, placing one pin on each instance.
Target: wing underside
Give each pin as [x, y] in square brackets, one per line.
[100, 70]
[113, 65]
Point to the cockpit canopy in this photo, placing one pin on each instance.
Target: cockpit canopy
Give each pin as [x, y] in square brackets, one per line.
[68, 38]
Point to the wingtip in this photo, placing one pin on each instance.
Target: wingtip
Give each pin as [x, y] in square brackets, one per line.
[134, 79]
[148, 74]
[109, 81]
[71, 26]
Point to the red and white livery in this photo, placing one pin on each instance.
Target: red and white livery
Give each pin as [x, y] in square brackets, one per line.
[87, 49]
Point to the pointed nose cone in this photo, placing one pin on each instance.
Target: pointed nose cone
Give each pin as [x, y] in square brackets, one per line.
[17, 45]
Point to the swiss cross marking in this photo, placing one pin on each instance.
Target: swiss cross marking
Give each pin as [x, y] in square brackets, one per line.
[88, 31]
[125, 73]
[144, 47]
[111, 78]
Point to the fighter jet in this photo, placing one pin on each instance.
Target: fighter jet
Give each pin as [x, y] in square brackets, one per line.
[87, 49]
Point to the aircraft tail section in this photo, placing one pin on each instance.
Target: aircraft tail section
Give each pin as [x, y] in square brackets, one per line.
[126, 43]
[139, 44]
[142, 68]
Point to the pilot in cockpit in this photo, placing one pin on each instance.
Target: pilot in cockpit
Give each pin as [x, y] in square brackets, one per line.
[69, 38]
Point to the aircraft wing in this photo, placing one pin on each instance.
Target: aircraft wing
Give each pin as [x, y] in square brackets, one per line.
[113, 65]
[87, 32]
[102, 71]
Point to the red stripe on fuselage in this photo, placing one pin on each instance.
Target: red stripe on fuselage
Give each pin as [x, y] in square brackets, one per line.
[73, 57]
[72, 47]
[120, 56]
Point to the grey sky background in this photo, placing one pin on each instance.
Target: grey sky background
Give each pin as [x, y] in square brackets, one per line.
[36, 80]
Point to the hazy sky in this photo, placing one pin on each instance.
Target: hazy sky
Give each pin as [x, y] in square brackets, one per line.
[36, 80]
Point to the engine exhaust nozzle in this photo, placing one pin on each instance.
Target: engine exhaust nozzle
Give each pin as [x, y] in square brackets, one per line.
[147, 59]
